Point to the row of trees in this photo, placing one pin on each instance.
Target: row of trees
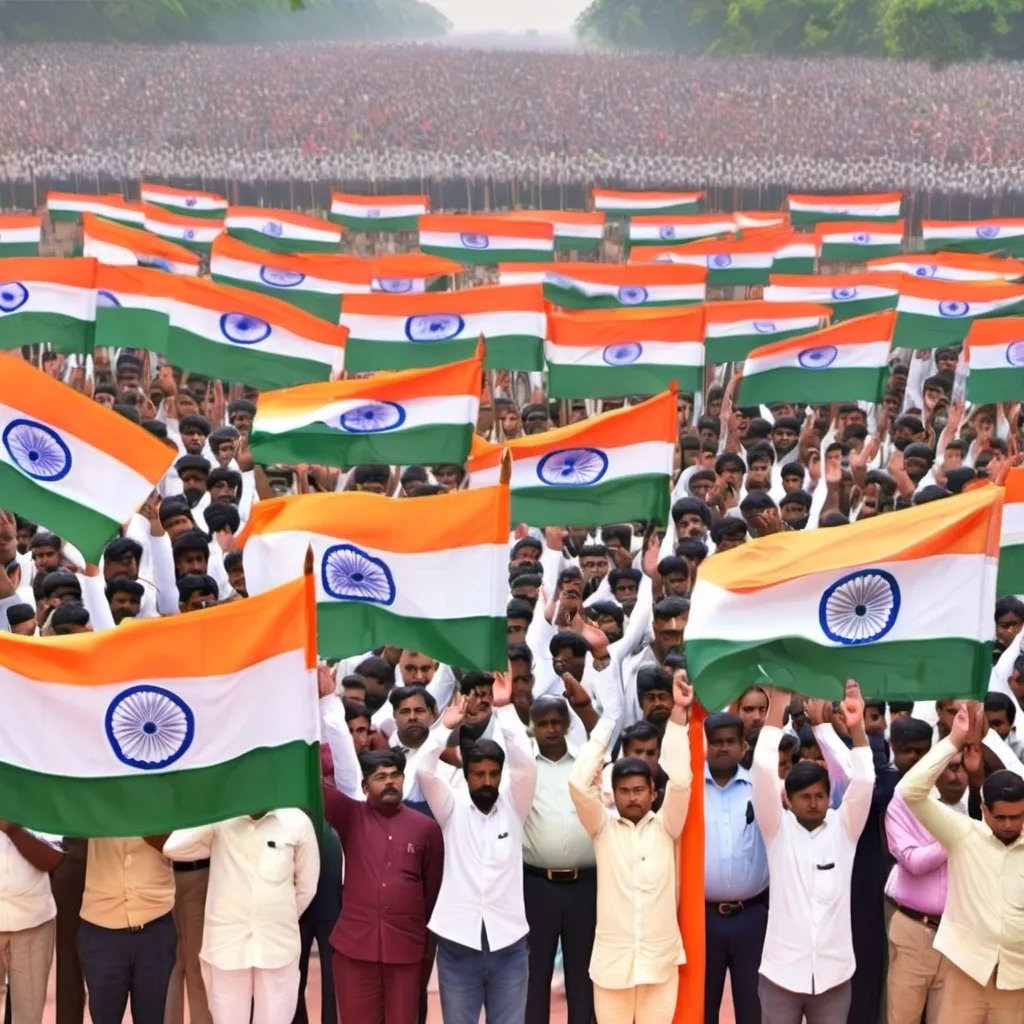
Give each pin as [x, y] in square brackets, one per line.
[170, 21]
[938, 31]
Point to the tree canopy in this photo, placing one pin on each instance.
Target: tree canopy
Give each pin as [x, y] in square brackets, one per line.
[938, 31]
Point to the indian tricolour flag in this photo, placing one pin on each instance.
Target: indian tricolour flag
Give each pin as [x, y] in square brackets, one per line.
[487, 239]
[870, 601]
[1011, 541]
[612, 285]
[665, 229]
[184, 203]
[404, 418]
[995, 359]
[45, 299]
[849, 295]
[19, 236]
[574, 231]
[732, 330]
[729, 261]
[133, 307]
[281, 230]
[936, 313]
[194, 233]
[636, 204]
[118, 245]
[401, 273]
[1001, 234]
[137, 746]
[845, 363]
[378, 213]
[951, 266]
[250, 339]
[857, 242]
[808, 209]
[70, 462]
[613, 468]
[404, 332]
[752, 220]
[65, 206]
[607, 354]
[429, 575]
[793, 252]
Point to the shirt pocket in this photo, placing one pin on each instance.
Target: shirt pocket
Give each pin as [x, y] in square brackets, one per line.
[277, 863]
[825, 882]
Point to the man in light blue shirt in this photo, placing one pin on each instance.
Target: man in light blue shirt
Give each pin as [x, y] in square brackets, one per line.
[735, 874]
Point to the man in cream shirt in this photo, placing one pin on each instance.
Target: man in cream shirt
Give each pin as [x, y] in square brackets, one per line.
[263, 874]
[637, 946]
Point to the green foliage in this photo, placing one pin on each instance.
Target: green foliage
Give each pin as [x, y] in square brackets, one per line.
[167, 21]
[938, 31]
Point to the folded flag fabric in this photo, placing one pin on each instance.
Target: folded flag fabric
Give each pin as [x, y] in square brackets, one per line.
[951, 266]
[612, 285]
[849, 295]
[868, 601]
[620, 354]
[792, 251]
[486, 239]
[133, 308]
[574, 231]
[66, 206]
[936, 313]
[1002, 234]
[68, 461]
[613, 468]
[201, 205]
[666, 229]
[405, 418]
[729, 261]
[250, 339]
[404, 332]
[136, 747]
[281, 230]
[48, 299]
[195, 233]
[1010, 579]
[403, 272]
[378, 213]
[808, 209]
[844, 363]
[119, 245]
[19, 236]
[614, 203]
[853, 241]
[995, 360]
[732, 330]
[746, 220]
[427, 577]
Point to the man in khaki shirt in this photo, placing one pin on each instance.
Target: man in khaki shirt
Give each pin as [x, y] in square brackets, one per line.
[637, 947]
[126, 939]
[981, 934]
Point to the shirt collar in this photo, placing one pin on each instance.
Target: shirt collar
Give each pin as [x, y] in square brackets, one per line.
[742, 775]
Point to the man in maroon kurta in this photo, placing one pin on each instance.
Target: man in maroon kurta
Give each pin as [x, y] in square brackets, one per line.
[394, 858]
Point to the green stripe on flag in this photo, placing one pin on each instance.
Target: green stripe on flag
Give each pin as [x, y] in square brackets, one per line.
[375, 225]
[273, 243]
[916, 330]
[733, 348]
[123, 327]
[326, 307]
[563, 244]
[852, 252]
[66, 334]
[628, 499]
[793, 384]
[800, 218]
[508, 352]
[723, 277]
[10, 250]
[1010, 579]
[570, 298]
[571, 381]
[1004, 385]
[793, 265]
[675, 210]
[489, 256]
[191, 211]
[860, 307]
[1008, 245]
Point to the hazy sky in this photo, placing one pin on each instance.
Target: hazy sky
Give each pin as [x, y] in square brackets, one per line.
[511, 15]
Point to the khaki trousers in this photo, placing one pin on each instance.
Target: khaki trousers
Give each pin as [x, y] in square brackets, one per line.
[26, 957]
[189, 912]
[917, 972]
[642, 1004]
[964, 1001]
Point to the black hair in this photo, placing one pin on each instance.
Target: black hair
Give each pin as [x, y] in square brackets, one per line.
[593, 551]
[1006, 605]
[757, 501]
[547, 703]
[520, 652]
[519, 609]
[671, 608]
[691, 547]
[129, 412]
[800, 497]
[610, 608]
[60, 578]
[617, 575]
[933, 492]
[878, 705]
[641, 732]
[995, 701]
[759, 451]
[526, 542]
[730, 527]
[620, 532]
[371, 474]
[691, 506]
[355, 709]
[403, 693]
[220, 515]
[242, 405]
[482, 750]
[673, 564]
[426, 491]
[570, 572]
[371, 760]
[124, 585]
[805, 774]
[1002, 785]
[378, 668]
[471, 680]
[787, 423]
[66, 615]
[724, 720]
[121, 549]
[652, 677]
[45, 539]
[897, 706]
[577, 643]
[729, 460]
[196, 583]
[232, 560]
[195, 422]
[626, 766]
[909, 730]
[791, 745]
[191, 540]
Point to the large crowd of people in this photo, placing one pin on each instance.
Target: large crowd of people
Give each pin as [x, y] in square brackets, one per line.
[333, 112]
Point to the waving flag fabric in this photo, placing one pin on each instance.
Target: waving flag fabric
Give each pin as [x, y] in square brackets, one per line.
[807, 209]
[665, 229]
[137, 745]
[195, 233]
[133, 308]
[951, 266]
[487, 239]
[636, 204]
[849, 295]
[729, 261]
[793, 252]
[66, 206]
[870, 601]
[429, 575]
[378, 213]
[19, 236]
[936, 313]
[732, 330]
[47, 299]
[118, 245]
[281, 230]
[995, 358]
[574, 231]
[1011, 539]
[200, 205]
[1002, 234]
[857, 242]
[68, 461]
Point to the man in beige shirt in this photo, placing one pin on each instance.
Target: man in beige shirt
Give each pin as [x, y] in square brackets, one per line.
[637, 947]
[981, 935]
[126, 939]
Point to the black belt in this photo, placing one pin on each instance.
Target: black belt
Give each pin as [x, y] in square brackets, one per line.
[731, 907]
[561, 874]
[191, 865]
[930, 920]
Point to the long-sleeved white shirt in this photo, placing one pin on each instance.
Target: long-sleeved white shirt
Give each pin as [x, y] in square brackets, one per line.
[263, 875]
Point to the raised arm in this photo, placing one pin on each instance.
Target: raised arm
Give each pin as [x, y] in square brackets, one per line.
[585, 778]
[675, 756]
[764, 771]
[856, 805]
[348, 776]
[437, 791]
[522, 767]
[914, 856]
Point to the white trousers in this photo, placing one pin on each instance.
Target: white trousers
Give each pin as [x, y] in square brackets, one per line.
[272, 992]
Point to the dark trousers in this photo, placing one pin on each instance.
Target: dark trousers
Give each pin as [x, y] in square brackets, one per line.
[316, 925]
[67, 881]
[121, 965]
[566, 911]
[733, 943]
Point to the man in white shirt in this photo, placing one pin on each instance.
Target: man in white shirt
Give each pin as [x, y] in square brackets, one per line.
[27, 913]
[263, 874]
[806, 965]
[480, 919]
